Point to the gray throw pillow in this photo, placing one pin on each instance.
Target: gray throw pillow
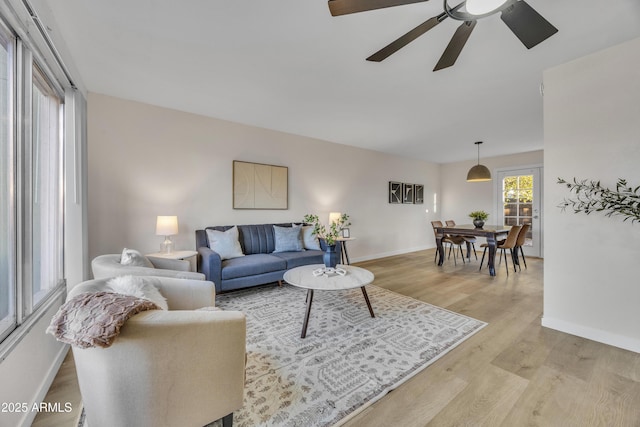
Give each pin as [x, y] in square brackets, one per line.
[225, 243]
[309, 239]
[288, 239]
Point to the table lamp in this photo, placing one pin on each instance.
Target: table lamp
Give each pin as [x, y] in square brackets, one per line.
[334, 217]
[166, 226]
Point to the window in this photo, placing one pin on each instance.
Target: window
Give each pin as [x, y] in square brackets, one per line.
[31, 187]
[46, 191]
[7, 224]
[517, 198]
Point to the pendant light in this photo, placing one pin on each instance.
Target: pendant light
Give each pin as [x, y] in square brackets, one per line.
[478, 173]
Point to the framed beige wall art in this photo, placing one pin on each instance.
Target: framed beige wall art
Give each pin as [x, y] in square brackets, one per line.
[259, 186]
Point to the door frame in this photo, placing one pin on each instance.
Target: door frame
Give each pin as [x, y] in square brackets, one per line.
[497, 196]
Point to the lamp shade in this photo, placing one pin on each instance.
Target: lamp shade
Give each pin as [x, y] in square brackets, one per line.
[479, 173]
[334, 217]
[167, 225]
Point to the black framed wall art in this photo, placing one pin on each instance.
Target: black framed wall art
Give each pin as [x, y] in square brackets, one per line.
[407, 193]
[395, 192]
[418, 194]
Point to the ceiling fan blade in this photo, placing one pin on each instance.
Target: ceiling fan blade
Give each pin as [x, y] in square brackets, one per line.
[527, 24]
[404, 40]
[455, 46]
[344, 7]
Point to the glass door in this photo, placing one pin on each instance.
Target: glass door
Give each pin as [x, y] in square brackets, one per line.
[519, 198]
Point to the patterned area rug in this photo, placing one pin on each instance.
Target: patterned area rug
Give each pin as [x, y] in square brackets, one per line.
[348, 359]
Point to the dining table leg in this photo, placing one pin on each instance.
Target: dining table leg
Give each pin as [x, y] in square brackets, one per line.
[491, 245]
[439, 237]
[515, 258]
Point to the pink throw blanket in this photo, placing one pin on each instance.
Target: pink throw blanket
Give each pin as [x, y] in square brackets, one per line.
[94, 319]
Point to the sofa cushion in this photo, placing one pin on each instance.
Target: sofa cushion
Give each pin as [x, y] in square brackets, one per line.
[225, 243]
[251, 265]
[296, 259]
[134, 258]
[257, 238]
[288, 239]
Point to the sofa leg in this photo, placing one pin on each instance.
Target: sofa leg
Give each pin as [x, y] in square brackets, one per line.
[280, 283]
[227, 421]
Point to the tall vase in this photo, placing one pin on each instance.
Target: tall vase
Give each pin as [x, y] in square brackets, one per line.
[330, 257]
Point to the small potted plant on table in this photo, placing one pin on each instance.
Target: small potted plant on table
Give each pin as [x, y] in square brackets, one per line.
[329, 235]
[479, 217]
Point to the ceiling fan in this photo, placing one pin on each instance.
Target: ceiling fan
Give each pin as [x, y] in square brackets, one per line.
[527, 24]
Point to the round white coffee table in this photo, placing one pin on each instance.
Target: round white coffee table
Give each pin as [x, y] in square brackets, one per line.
[303, 277]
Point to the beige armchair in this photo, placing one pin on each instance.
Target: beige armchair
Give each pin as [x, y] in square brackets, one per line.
[109, 265]
[166, 368]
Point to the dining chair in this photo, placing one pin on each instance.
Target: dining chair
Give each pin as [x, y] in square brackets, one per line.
[520, 241]
[509, 243]
[470, 239]
[451, 240]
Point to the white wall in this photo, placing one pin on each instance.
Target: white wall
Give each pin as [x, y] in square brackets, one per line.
[460, 197]
[592, 123]
[146, 161]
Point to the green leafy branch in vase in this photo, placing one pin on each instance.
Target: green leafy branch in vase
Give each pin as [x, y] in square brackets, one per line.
[591, 196]
[329, 235]
[479, 215]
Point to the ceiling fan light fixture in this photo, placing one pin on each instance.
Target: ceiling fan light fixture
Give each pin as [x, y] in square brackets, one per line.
[478, 173]
[481, 7]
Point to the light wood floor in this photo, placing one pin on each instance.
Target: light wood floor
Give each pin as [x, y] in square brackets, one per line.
[512, 373]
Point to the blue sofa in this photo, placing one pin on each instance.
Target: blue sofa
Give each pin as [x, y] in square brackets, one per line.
[259, 266]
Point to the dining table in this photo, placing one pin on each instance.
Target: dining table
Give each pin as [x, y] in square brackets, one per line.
[492, 233]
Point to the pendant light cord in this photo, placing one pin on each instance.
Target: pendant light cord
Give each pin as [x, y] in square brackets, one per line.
[478, 144]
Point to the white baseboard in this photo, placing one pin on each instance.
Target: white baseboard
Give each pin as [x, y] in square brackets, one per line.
[593, 334]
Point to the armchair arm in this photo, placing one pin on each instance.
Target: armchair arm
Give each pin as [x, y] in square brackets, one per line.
[166, 368]
[104, 266]
[185, 294]
[181, 294]
[210, 263]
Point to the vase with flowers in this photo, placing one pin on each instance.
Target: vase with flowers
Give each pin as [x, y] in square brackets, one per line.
[479, 217]
[329, 235]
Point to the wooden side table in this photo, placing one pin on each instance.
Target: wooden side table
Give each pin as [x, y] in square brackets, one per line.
[183, 255]
[344, 255]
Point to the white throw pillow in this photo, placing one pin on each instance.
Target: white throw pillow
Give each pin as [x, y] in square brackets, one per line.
[309, 239]
[288, 239]
[134, 258]
[225, 243]
[137, 286]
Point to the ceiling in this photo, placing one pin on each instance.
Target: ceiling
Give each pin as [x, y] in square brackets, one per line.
[290, 66]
